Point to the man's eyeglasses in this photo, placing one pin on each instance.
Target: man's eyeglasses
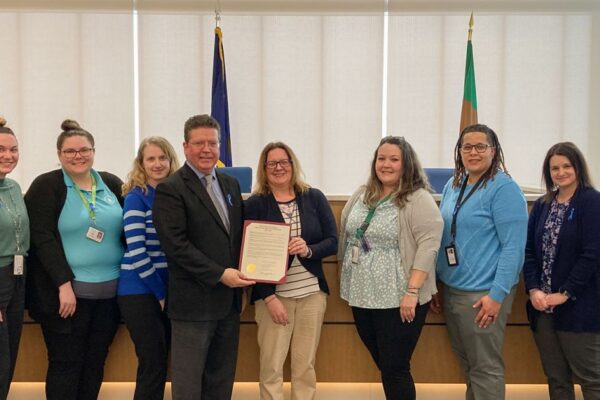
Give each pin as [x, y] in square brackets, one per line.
[281, 163]
[72, 153]
[479, 147]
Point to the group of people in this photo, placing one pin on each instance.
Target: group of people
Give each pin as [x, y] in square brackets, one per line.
[161, 251]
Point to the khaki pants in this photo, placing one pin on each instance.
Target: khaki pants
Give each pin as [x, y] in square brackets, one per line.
[305, 317]
[479, 350]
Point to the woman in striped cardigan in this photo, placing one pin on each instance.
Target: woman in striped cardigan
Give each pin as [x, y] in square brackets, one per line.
[143, 281]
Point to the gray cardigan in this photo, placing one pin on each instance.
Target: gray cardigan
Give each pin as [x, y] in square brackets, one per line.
[420, 228]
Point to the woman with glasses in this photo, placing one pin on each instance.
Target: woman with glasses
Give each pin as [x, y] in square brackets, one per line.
[143, 281]
[76, 250]
[389, 238]
[485, 225]
[14, 243]
[561, 275]
[291, 313]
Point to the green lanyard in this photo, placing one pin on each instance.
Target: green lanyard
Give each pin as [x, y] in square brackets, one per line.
[90, 206]
[360, 232]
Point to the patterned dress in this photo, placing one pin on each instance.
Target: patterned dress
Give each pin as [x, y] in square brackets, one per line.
[378, 280]
[549, 240]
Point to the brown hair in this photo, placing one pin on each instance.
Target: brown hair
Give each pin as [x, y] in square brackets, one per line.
[497, 161]
[71, 128]
[262, 185]
[4, 128]
[201, 121]
[412, 177]
[569, 150]
[137, 176]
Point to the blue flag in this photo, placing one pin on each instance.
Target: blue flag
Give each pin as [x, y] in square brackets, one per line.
[220, 106]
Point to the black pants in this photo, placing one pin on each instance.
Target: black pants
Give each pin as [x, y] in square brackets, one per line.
[12, 302]
[76, 354]
[391, 343]
[150, 332]
[203, 355]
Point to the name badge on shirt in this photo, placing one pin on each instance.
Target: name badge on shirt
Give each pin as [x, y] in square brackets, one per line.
[18, 263]
[355, 253]
[451, 256]
[94, 234]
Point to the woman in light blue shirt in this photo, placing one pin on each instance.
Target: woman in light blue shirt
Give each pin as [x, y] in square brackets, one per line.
[481, 256]
[76, 230]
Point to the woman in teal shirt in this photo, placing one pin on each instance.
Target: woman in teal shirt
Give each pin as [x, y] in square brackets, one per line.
[14, 243]
[76, 230]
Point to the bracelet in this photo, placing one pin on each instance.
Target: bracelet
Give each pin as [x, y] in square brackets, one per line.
[414, 287]
[270, 300]
[309, 254]
[411, 294]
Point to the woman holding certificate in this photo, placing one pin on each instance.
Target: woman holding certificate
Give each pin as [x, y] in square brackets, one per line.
[291, 313]
[76, 250]
[390, 235]
[485, 226]
[561, 275]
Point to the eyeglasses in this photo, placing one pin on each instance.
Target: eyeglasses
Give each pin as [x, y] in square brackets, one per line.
[479, 147]
[281, 163]
[201, 144]
[72, 153]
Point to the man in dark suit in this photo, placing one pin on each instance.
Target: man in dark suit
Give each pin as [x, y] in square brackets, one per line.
[198, 217]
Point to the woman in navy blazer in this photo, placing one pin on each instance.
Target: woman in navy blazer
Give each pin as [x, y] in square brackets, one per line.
[291, 314]
[562, 259]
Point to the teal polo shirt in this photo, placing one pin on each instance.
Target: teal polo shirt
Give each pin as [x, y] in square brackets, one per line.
[91, 261]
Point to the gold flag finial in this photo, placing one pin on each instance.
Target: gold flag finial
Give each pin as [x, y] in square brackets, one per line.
[471, 23]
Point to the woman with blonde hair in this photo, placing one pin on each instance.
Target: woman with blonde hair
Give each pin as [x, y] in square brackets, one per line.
[143, 282]
[291, 313]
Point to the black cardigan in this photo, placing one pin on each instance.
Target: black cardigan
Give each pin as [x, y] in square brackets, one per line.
[47, 264]
[318, 230]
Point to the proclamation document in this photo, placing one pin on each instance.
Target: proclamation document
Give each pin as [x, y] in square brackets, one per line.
[264, 255]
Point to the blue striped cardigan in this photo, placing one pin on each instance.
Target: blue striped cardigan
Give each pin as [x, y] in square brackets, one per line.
[144, 266]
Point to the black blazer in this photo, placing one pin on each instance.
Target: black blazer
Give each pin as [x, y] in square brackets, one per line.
[318, 231]
[197, 245]
[577, 263]
[47, 264]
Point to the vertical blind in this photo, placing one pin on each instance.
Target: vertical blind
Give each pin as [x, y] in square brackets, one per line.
[313, 80]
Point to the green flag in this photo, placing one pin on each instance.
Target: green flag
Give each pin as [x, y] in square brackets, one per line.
[468, 114]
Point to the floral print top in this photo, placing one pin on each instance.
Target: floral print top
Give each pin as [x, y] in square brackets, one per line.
[549, 240]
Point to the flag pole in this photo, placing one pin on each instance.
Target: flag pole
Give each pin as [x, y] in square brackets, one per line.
[471, 24]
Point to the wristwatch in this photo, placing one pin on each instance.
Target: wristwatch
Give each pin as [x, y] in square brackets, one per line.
[566, 294]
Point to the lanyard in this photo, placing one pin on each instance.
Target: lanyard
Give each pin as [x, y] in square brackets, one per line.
[15, 216]
[360, 232]
[460, 203]
[90, 206]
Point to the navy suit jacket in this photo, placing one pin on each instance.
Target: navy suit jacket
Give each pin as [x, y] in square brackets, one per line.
[576, 264]
[318, 231]
[197, 245]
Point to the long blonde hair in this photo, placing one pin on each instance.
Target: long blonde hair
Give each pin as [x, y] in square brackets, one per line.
[137, 176]
[262, 184]
[412, 178]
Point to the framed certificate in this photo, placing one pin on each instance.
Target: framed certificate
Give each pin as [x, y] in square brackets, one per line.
[264, 255]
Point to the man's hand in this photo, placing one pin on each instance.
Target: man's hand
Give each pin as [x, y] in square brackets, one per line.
[436, 303]
[233, 278]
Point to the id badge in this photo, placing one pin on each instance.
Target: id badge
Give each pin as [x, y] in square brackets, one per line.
[18, 264]
[94, 234]
[451, 255]
[355, 254]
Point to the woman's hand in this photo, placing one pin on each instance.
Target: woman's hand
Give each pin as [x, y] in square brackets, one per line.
[68, 302]
[555, 299]
[298, 246]
[162, 304]
[277, 310]
[407, 308]
[538, 299]
[488, 313]
[436, 303]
